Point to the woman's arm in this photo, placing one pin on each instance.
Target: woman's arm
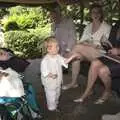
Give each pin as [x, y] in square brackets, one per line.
[75, 55]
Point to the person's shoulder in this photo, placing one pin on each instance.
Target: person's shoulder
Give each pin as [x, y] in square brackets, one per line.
[59, 56]
[18, 60]
[105, 24]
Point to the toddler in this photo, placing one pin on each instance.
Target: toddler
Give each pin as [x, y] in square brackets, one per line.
[51, 72]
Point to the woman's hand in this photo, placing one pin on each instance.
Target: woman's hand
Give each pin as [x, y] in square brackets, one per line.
[114, 51]
[86, 42]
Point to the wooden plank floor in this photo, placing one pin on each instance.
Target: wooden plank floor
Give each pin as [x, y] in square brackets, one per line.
[84, 111]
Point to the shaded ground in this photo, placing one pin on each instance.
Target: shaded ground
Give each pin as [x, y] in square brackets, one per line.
[82, 111]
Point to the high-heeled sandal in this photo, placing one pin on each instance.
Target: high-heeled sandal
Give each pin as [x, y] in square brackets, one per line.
[103, 99]
[100, 101]
[66, 87]
[80, 100]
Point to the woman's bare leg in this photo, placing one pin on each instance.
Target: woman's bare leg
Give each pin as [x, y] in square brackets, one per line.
[104, 74]
[75, 68]
[86, 52]
[75, 74]
[92, 76]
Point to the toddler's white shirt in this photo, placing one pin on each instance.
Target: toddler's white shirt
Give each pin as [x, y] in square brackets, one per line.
[52, 65]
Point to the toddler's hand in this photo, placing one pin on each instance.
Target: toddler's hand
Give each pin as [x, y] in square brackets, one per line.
[76, 55]
[54, 76]
[51, 75]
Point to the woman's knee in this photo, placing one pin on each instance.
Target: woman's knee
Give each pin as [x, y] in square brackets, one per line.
[96, 64]
[77, 48]
[104, 71]
[76, 63]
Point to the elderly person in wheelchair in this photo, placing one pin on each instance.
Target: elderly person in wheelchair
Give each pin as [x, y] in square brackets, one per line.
[14, 91]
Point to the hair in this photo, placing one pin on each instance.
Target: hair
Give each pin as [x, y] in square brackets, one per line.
[99, 7]
[50, 39]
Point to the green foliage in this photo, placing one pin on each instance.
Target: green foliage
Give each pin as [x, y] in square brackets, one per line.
[11, 25]
[3, 12]
[112, 10]
[26, 44]
[25, 30]
[79, 15]
[27, 27]
[25, 17]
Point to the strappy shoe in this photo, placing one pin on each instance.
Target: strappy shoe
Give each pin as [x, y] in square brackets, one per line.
[66, 87]
[100, 101]
[80, 100]
[84, 97]
[103, 99]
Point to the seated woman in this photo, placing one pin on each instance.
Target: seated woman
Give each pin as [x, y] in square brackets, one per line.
[89, 45]
[104, 68]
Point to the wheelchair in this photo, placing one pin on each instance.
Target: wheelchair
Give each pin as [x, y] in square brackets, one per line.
[21, 108]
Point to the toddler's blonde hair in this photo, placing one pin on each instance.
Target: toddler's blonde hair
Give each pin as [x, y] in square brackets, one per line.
[50, 40]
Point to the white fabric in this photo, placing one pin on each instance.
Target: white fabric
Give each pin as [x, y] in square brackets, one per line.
[52, 97]
[52, 65]
[103, 31]
[65, 34]
[52, 87]
[11, 86]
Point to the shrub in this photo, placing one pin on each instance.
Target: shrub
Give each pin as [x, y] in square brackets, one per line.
[11, 25]
[25, 18]
[26, 43]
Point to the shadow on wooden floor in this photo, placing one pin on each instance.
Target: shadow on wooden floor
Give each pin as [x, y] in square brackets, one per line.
[82, 111]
